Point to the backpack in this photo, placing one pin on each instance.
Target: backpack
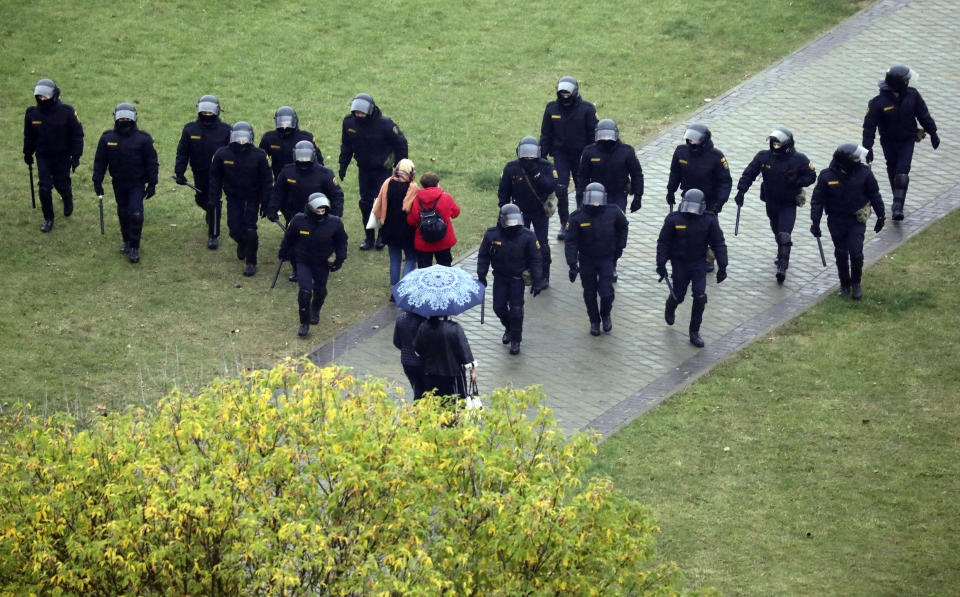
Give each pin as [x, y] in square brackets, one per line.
[432, 226]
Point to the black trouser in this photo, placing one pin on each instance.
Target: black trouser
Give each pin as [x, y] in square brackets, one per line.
[694, 274]
[782, 216]
[596, 277]
[312, 278]
[847, 236]
[898, 155]
[369, 182]
[540, 222]
[53, 172]
[508, 303]
[567, 164]
[416, 377]
[242, 214]
[201, 180]
[129, 196]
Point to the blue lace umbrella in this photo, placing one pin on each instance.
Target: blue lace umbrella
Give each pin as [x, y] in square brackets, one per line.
[438, 290]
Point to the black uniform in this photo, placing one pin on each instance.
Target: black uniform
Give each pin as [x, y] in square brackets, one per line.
[310, 240]
[131, 157]
[510, 251]
[279, 144]
[842, 191]
[198, 142]
[614, 165]
[683, 242]
[527, 183]
[241, 172]
[52, 131]
[297, 182]
[596, 237]
[701, 167]
[785, 173]
[896, 115]
[378, 145]
[564, 132]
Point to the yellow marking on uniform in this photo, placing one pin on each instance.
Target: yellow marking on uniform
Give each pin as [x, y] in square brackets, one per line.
[36, 122]
[682, 161]
[351, 131]
[888, 108]
[396, 131]
[111, 143]
[584, 224]
[228, 162]
[833, 182]
[596, 159]
[496, 242]
[723, 160]
[766, 166]
[538, 244]
[305, 232]
[196, 137]
[291, 181]
[681, 226]
[554, 173]
[556, 116]
[811, 166]
[274, 147]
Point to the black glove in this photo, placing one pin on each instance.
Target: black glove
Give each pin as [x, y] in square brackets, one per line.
[181, 179]
[482, 280]
[28, 159]
[343, 174]
[739, 199]
[721, 274]
[935, 140]
[635, 204]
[815, 229]
[74, 162]
[150, 191]
[870, 156]
[336, 265]
[537, 288]
[671, 198]
[662, 272]
[272, 216]
[98, 188]
[282, 256]
[879, 225]
[574, 270]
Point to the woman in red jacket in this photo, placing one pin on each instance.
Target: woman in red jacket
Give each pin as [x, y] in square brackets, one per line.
[430, 198]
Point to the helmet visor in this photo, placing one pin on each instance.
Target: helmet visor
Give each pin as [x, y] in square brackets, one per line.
[691, 207]
[207, 106]
[303, 154]
[43, 90]
[361, 105]
[779, 136]
[693, 136]
[128, 114]
[594, 197]
[512, 219]
[528, 150]
[241, 136]
[860, 153]
[567, 86]
[317, 201]
[607, 135]
[284, 121]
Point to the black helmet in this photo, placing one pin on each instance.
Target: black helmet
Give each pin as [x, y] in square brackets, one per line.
[510, 216]
[691, 202]
[529, 147]
[286, 118]
[125, 110]
[782, 136]
[209, 103]
[241, 132]
[45, 88]
[362, 102]
[848, 154]
[303, 151]
[595, 194]
[568, 85]
[696, 134]
[607, 130]
[898, 77]
[317, 200]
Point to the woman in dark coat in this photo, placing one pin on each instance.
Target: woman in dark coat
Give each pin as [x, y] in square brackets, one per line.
[404, 333]
[391, 208]
[446, 354]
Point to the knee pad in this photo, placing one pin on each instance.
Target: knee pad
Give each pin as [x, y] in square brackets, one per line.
[135, 218]
[783, 238]
[303, 296]
[901, 181]
[516, 312]
[699, 300]
[562, 191]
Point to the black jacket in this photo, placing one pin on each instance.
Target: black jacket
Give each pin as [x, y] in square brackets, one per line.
[567, 128]
[845, 193]
[279, 147]
[295, 185]
[443, 346]
[706, 169]
[595, 231]
[313, 239]
[614, 165]
[784, 174]
[375, 141]
[395, 230]
[685, 237]
[240, 172]
[514, 186]
[510, 251]
[52, 131]
[404, 332]
[896, 116]
[130, 156]
[198, 143]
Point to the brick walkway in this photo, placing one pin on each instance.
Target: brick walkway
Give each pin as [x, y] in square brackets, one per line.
[819, 92]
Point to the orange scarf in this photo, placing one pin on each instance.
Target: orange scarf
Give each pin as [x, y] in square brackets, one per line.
[380, 205]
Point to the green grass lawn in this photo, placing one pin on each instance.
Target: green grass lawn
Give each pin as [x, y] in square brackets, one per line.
[80, 326]
[823, 459]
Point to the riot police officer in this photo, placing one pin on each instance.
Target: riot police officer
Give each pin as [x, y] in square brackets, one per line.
[785, 172]
[847, 190]
[279, 143]
[241, 172]
[569, 124]
[199, 140]
[528, 182]
[896, 111]
[596, 237]
[683, 241]
[378, 145]
[313, 236]
[131, 157]
[52, 131]
[511, 249]
[613, 164]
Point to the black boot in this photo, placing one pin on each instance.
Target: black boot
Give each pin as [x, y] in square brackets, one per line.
[843, 272]
[594, 328]
[303, 305]
[696, 318]
[380, 244]
[250, 269]
[241, 251]
[593, 312]
[670, 313]
[134, 254]
[506, 336]
[783, 255]
[212, 242]
[67, 203]
[46, 207]
[368, 241]
[315, 305]
[250, 248]
[897, 210]
[125, 249]
[514, 347]
[606, 306]
[47, 226]
[856, 274]
[546, 275]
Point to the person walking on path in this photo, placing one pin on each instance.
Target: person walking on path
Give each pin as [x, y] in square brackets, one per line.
[896, 111]
[785, 172]
[394, 202]
[52, 131]
[432, 213]
[404, 332]
[847, 190]
[683, 241]
[446, 356]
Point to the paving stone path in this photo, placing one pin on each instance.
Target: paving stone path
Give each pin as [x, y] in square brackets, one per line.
[820, 92]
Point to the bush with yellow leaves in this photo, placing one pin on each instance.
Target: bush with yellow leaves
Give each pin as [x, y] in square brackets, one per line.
[307, 481]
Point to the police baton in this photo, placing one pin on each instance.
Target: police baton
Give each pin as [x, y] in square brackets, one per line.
[187, 184]
[277, 275]
[736, 227]
[281, 226]
[100, 200]
[823, 259]
[669, 287]
[33, 195]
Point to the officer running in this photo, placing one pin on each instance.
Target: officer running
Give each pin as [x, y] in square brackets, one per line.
[279, 143]
[785, 172]
[527, 182]
[896, 111]
[596, 237]
[131, 157]
[52, 131]
[847, 190]
[313, 236]
[683, 242]
[199, 140]
[511, 249]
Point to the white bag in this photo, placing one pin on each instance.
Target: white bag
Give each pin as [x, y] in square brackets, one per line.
[372, 222]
